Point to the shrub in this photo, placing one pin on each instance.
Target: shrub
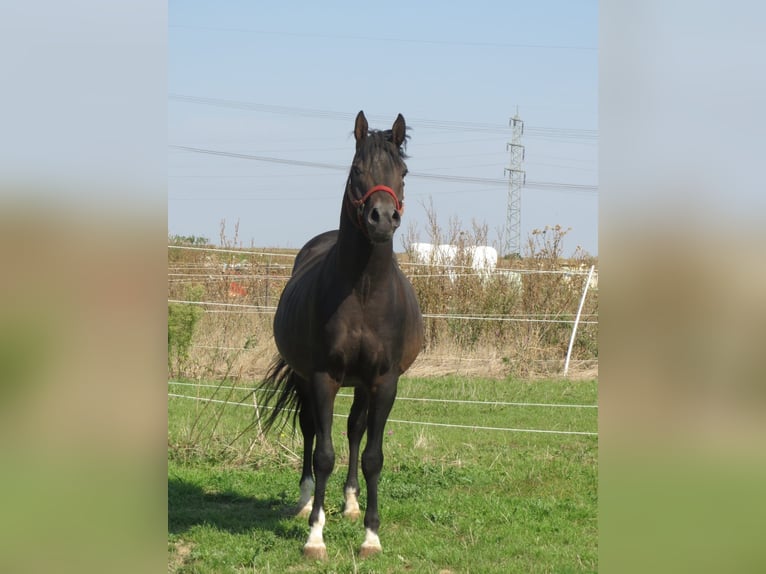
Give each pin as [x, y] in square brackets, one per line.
[182, 321]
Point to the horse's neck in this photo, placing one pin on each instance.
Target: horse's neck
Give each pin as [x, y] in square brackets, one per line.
[357, 256]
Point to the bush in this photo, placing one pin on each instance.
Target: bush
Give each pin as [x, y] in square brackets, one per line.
[182, 320]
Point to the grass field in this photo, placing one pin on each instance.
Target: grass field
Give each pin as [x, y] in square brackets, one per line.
[452, 499]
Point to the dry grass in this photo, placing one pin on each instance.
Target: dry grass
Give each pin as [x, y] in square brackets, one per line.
[179, 555]
[531, 301]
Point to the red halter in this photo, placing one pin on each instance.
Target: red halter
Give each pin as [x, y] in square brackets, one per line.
[359, 203]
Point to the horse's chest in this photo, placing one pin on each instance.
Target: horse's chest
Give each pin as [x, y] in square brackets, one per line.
[357, 348]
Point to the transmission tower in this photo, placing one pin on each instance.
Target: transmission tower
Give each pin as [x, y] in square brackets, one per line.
[517, 178]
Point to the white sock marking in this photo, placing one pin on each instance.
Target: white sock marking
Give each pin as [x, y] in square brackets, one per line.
[315, 536]
[352, 504]
[371, 539]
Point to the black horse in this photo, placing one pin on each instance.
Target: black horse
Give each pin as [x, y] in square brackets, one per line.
[348, 317]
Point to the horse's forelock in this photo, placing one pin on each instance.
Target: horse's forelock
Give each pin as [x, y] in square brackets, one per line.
[376, 137]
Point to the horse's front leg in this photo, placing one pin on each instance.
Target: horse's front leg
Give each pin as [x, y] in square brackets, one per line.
[381, 402]
[323, 391]
[357, 423]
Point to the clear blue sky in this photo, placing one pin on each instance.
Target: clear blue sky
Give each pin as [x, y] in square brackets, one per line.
[285, 80]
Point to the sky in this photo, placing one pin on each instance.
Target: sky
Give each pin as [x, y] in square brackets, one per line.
[281, 83]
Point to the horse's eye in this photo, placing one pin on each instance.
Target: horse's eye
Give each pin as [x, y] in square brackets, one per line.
[356, 170]
[405, 173]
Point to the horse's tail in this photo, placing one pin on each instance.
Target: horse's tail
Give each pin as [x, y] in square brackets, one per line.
[279, 395]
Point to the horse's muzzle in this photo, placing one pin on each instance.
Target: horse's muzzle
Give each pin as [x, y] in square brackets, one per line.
[381, 219]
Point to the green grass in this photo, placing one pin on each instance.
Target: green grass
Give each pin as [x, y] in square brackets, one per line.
[451, 499]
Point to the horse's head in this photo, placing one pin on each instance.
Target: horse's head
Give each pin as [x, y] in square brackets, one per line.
[375, 188]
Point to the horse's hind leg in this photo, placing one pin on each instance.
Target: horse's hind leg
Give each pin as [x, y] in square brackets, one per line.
[306, 419]
[357, 423]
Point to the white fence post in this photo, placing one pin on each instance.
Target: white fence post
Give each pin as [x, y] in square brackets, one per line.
[577, 319]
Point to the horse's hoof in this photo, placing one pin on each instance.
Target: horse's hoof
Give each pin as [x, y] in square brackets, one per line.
[352, 514]
[371, 544]
[368, 550]
[315, 551]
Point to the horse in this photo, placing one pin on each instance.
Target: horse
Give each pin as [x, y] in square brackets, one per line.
[347, 317]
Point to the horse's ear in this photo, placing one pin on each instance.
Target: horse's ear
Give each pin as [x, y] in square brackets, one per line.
[360, 128]
[399, 130]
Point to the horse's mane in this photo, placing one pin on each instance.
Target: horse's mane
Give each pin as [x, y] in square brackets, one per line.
[375, 139]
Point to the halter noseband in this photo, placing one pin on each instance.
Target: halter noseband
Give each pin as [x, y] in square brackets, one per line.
[359, 203]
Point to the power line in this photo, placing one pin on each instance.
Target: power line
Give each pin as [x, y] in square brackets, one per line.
[398, 40]
[543, 185]
[449, 125]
